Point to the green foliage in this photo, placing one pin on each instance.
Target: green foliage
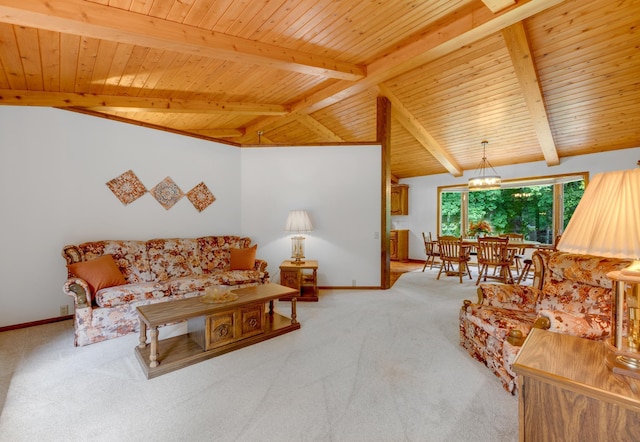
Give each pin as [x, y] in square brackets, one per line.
[572, 195]
[450, 213]
[527, 210]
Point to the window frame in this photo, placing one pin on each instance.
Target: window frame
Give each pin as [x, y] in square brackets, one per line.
[558, 196]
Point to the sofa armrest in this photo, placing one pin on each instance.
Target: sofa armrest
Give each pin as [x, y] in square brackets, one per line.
[587, 325]
[516, 337]
[510, 296]
[79, 290]
[260, 265]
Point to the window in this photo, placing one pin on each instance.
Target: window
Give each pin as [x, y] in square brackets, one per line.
[539, 208]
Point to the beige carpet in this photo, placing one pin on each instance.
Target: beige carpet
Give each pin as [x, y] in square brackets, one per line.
[365, 366]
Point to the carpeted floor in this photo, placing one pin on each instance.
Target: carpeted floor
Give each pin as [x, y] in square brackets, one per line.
[368, 365]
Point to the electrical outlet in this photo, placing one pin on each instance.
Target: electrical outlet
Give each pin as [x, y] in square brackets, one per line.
[353, 282]
[64, 310]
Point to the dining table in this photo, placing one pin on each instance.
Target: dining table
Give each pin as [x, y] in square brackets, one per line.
[512, 244]
[513, 247]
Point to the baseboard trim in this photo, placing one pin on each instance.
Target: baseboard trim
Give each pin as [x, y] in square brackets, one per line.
[410, 261]
[34, 323]
[350, 287]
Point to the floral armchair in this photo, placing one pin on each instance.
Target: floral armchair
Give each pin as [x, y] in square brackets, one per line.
[570, 294]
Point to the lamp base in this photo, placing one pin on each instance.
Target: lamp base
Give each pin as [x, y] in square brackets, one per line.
[622, 363]
[297, 249]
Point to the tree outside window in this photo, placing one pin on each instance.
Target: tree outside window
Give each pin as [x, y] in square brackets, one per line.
[528, 209]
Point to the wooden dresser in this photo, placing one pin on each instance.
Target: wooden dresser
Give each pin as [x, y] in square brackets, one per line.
[568, 394]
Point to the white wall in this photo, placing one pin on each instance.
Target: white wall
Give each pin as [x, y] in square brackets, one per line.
[423, 191]
[54, 166]
[53, 170]
[338, 186]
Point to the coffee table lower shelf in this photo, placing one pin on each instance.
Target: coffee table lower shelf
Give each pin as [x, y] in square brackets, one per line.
[182, 351]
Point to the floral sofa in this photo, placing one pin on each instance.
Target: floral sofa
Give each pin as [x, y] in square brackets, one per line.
[570, 294]
[109, 279]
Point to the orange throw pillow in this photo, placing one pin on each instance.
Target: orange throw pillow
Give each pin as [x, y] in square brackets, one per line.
[243, 259]
[99, 273]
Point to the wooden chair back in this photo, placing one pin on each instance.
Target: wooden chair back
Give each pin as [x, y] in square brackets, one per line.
[493, 251]
[515, 238]
[430, 249]
[451, 248]
[453, 252]
[428, 243]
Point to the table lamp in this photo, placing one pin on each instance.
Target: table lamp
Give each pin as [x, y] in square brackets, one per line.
[607, 223]
[298, 222]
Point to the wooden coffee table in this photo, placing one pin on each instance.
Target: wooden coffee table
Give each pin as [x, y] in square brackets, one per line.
[213, 329]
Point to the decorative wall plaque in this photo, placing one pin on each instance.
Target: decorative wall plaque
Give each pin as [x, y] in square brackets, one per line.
[201, 197]
[127, 187]
[167, 193]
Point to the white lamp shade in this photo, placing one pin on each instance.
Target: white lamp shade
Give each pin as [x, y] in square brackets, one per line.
[298, 221]
[607, 219]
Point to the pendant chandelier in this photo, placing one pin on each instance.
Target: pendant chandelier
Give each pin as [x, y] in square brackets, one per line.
[482, 181]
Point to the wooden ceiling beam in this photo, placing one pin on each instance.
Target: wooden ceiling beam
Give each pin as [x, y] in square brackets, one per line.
[317, 127]
[462, 28]
[266, 124]
[411, 123]
[112, 103]
[89, 19]
[517, 43]
[217, 133]
[498, 5]
[264, 140]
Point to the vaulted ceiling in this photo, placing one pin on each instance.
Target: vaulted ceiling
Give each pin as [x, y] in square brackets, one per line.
[540, 80]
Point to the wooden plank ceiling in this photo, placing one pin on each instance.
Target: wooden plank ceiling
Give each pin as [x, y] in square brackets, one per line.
[541, 80]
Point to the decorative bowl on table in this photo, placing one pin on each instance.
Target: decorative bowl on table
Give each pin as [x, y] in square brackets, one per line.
[218, 294]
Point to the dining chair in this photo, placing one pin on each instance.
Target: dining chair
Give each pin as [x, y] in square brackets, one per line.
[493, 252]
[519, 254]
[430, 249]
[472, 248]
[454, 257]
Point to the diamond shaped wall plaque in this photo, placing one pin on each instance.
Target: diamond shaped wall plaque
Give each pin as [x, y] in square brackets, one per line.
[127, 187]
[201, 197]
[167, 193]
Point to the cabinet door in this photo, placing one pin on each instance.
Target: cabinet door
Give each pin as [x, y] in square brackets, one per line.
[252, 321]
[393, 245]
[400, 200]
[221, 329]
[290, 278]
[402, 252]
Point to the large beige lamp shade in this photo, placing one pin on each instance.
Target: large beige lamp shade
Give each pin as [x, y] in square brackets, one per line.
[298, 222]
[607, 223]
[607, 220]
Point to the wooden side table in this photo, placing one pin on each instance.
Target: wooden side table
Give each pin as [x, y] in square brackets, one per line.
[302, 277]
[567, 392]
